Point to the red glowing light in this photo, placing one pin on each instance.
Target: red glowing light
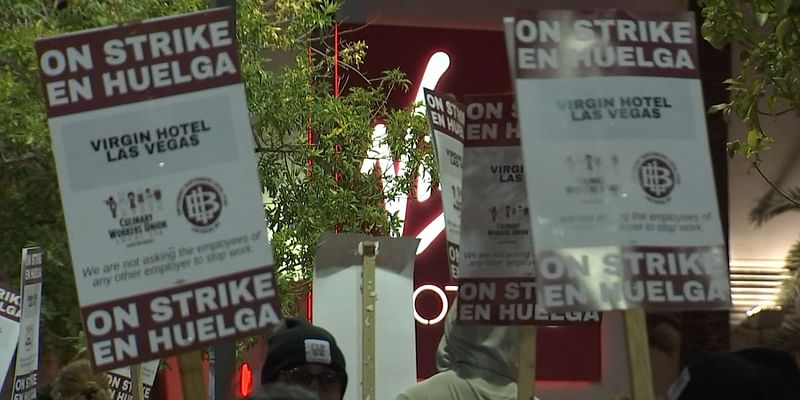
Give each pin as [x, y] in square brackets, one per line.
[245, 380]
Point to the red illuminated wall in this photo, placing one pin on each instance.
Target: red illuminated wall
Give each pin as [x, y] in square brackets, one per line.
[478, 65]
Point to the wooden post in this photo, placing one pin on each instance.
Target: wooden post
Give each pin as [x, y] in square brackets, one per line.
[369, 251]
[641, 378]
[526, 373]
[137, 381]
[192, 382]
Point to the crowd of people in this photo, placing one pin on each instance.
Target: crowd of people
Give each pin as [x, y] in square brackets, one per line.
[304, 362]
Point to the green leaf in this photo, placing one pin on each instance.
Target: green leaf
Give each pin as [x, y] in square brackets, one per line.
[713, 36]
[753, 137]
[772, 102]
[752, 114]
[732, 148]
[718, 107]
[761, 18]
[707, 30]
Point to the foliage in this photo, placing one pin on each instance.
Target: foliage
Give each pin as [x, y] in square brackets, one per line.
[773, 205]
[303, 198]
[786, 335]
[768, 85]
[319, 187]
[792, 291]
[769, 34]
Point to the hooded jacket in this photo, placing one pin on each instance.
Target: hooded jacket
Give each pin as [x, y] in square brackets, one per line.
[475, 362]
[484, 351]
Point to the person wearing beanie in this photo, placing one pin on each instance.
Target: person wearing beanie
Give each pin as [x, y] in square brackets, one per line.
[751, 374]
[306, 355]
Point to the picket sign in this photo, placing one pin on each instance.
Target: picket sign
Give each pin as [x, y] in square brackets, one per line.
[10, 313]
[26, 371]
[446, 118]
[368, 250]
[159, 192]
[350, 272]
[617, 165]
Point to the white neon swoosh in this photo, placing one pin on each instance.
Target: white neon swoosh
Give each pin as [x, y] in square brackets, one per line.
[438, 64]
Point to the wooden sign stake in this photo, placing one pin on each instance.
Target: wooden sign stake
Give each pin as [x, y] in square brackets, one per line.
[192, 382]
[526, 373]
[137, 381]
[369, 251]
[639, 373]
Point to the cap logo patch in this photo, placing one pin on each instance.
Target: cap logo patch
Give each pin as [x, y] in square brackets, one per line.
[318, 351]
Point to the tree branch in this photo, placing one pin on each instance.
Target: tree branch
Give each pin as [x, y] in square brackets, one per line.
[777, 113]
[262, 150]
[773, 186]
[346, 31]
[21, 159]
[344, 64]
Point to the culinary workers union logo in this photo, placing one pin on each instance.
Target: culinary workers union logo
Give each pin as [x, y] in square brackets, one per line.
[201, 201]
[657, 176]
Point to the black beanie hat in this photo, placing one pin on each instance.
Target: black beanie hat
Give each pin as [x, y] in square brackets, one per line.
[301, 343]
[752, 374]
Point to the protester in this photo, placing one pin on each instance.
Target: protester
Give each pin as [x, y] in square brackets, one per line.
[306, 355]
[283, 391]
[751, 374]
[475, 362]
[77, 381]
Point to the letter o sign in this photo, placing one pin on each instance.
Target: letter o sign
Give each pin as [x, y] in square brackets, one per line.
[99, 323]
[526, 31]
[551, 267]
[53, 63]
[442, 296]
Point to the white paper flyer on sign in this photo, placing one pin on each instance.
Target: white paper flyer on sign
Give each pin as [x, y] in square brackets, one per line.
[497, 284]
